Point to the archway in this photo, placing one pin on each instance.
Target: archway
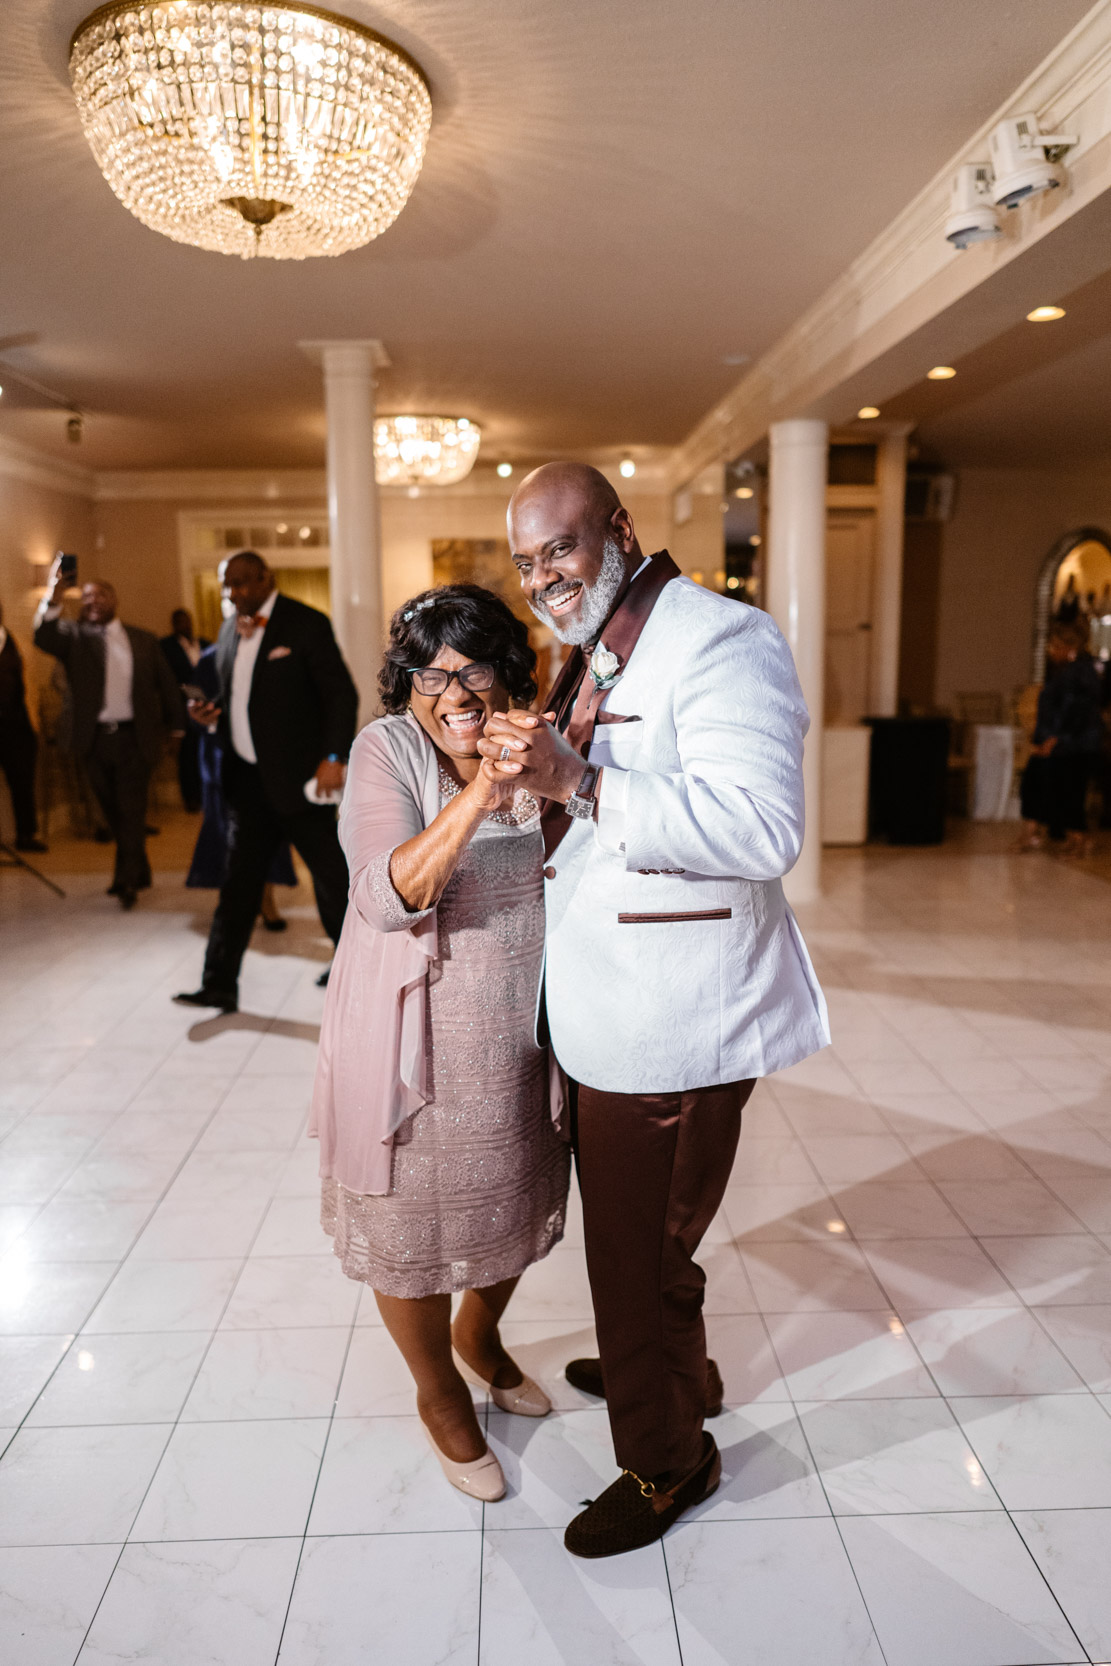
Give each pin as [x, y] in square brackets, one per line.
[1082, 552]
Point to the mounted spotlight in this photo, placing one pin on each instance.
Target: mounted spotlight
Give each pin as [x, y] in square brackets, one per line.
[1025, 160]
[973, 216]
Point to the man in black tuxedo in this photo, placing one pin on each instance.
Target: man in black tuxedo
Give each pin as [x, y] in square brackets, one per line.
[124, 703]
[19, 744]
[182, 650]
[286, 715]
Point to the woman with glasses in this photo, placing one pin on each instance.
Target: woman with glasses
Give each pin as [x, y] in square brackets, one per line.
[443, 1166]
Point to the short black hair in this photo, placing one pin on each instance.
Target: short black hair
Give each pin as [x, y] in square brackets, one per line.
[257, 561]
[467, 618]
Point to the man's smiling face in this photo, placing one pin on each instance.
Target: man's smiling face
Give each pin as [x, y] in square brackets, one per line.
[571, 551]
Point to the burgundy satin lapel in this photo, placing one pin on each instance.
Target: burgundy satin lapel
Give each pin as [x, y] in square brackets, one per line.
[621, 634]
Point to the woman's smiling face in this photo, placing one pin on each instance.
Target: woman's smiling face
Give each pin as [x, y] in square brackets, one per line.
[454, 720]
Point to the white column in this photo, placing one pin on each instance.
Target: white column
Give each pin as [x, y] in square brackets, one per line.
[888, 611]
[355, 534]
[797, 602]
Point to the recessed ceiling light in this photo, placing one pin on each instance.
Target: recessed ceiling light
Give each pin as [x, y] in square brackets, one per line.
[744, 491]
[1044, 315]
[733, 582]
[867, 412]
[505, 470]
[626, 468]
[941, 373]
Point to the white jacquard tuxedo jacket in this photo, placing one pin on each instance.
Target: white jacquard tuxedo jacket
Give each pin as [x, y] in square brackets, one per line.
[673, 961]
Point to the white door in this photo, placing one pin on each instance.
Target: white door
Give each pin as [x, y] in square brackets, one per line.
[850, 584]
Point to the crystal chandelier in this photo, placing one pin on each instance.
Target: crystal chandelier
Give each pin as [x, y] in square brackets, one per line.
[252, 130]
[424, 450]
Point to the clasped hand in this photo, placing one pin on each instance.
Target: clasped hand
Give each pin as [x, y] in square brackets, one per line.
[542, 759]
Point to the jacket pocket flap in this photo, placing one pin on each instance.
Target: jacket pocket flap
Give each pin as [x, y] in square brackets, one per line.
[669, 918]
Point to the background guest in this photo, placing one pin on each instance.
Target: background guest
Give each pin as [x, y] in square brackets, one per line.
[182, 650]
[124, 703]
[1068, 608]
[286, 716]
[18, 743]
[1068, 736]
[209, 866]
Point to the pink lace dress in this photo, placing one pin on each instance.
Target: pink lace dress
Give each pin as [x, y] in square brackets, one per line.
[479, 1177]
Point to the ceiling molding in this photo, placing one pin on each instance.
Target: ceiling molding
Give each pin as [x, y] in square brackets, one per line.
[210, 485]
[289, 486]
[36, 468]
[909, 273]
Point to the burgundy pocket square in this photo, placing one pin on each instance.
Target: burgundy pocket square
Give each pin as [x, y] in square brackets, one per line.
[279, 653]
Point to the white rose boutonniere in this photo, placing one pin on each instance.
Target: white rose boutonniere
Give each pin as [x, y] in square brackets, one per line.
[605, 668]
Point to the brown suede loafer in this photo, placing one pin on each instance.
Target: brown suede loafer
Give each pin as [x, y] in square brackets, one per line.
[633, 1513]
[586, 1375]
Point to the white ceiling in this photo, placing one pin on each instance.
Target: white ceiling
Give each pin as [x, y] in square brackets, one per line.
[618, 194]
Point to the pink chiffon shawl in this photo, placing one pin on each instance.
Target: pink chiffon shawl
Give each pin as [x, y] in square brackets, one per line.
[370, 1072]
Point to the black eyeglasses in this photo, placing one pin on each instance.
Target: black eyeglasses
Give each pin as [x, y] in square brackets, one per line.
[433, 679]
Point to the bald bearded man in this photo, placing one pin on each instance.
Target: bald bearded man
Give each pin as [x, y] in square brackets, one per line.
[670, 756]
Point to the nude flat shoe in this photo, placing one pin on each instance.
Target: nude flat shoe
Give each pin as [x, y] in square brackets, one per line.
[527, 1399]
[482, 1478]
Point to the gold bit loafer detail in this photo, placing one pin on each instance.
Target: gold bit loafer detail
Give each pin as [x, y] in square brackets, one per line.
[633, 1513]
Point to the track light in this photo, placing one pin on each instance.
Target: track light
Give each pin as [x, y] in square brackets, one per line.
[74, 427]
[505, 470]
[1026, 160]
[867, 412]
[973, 216]
[627, 468]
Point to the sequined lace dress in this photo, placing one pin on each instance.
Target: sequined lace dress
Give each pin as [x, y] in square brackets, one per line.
[479, 1175]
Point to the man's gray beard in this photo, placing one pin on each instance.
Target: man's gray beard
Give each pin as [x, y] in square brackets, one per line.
[597, 600]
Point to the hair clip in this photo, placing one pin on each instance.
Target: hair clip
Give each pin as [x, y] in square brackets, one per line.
[429, 601]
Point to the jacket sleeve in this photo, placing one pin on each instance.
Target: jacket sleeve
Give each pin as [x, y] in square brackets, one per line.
[339, 697]
[734, 809]
[378, 813]
[55, 636]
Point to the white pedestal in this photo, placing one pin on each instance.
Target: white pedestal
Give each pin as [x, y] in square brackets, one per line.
[845, 756]
[993, 768]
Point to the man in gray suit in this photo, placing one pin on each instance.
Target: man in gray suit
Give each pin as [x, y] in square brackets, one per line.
[124, 702]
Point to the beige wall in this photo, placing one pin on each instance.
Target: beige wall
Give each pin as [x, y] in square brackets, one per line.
[1004, 525]
[35, 521]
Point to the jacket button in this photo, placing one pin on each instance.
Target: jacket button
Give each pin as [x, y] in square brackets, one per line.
[549, 873]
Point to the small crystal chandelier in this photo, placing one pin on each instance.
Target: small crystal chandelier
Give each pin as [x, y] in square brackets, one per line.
[251, 130]
[424, 450]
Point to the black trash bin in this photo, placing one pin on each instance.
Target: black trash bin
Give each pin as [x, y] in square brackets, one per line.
[906, 779]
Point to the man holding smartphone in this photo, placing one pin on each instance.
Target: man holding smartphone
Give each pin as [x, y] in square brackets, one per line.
[124, 703]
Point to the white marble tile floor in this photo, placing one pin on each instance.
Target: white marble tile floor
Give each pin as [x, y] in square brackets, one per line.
[209, 1447]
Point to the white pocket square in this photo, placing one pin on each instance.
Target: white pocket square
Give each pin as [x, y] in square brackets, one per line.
[279, 653]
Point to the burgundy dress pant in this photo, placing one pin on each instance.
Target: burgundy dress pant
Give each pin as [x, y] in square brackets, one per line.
[653, 1168]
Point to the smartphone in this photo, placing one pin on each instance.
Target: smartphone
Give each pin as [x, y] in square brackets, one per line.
[68, 568]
